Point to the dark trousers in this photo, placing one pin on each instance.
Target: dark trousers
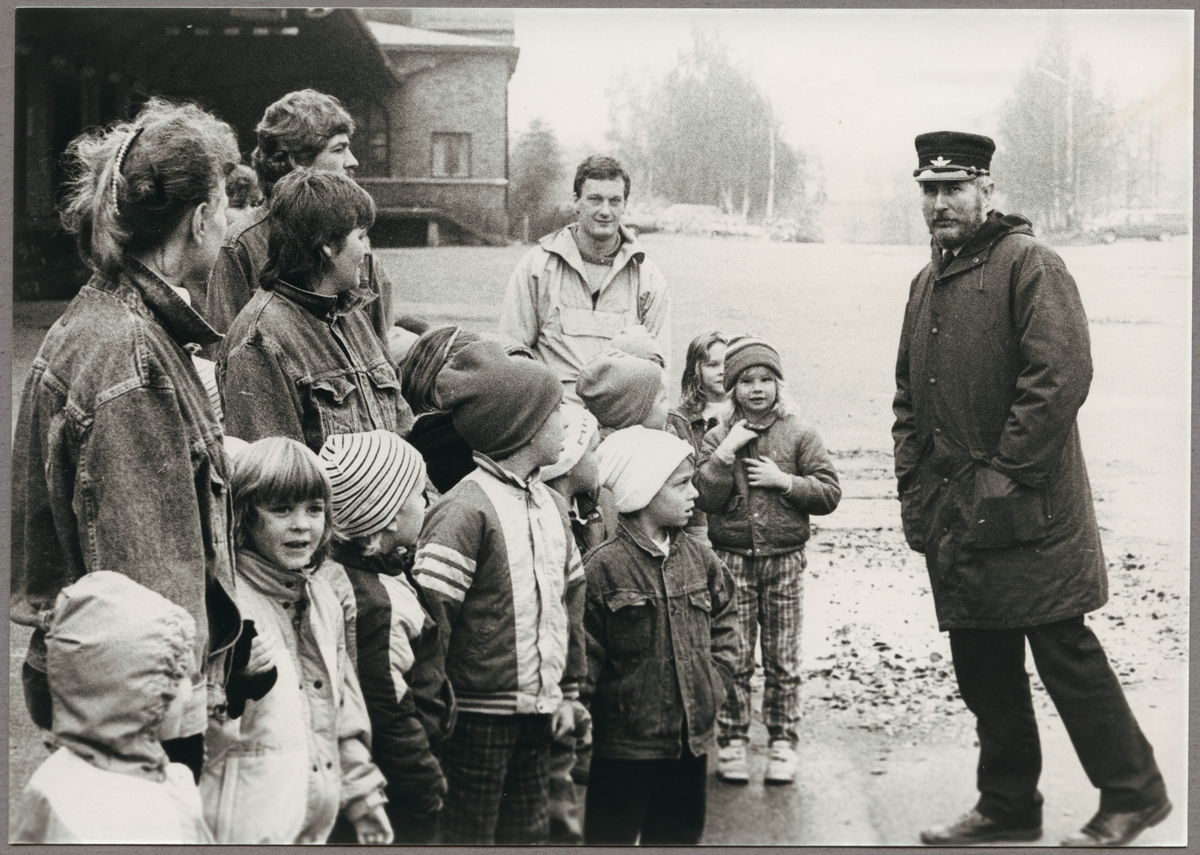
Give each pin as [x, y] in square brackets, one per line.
[663, 801]
[990, 666]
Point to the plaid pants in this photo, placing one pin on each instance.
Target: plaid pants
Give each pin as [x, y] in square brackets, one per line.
[498, 783]
[770, 593]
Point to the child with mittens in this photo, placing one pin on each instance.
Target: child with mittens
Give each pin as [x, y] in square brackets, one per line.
[661, 628]
[762, 473]
[282, 771]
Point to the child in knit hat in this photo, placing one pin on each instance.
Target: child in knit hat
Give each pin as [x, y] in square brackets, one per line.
[661, 626]
[762, 472]
[575, 477]
[119, 662]
[378, 483]
[622, 390]
[499, 564]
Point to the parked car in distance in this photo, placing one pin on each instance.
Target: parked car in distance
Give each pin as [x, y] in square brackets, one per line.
[1145, 223]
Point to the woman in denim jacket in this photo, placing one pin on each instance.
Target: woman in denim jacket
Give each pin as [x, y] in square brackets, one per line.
[118, 458]
[302, 359]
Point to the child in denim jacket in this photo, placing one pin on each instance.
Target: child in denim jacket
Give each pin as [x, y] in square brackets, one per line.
[661, 629]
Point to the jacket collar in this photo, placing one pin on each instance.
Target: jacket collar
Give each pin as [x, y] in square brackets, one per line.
[348, 555]
[166, 307]
[979, 246]
[640, 540]
[497, 471]
[324, 307]
[562, 243]
[272, 581]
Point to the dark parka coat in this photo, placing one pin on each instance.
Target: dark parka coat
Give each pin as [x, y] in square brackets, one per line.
[994, 364]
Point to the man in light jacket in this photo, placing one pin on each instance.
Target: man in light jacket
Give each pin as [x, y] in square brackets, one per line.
[580, 286]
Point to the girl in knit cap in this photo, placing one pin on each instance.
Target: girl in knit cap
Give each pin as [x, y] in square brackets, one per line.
[119, 663]
[499, 563]
[761, 473]
[378, 483]
[281, 772]
[661, 629]
[622, 390]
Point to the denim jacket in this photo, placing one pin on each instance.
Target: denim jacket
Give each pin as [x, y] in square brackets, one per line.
[119, 464]
[756, 521]
[662, 644]
[307, 366]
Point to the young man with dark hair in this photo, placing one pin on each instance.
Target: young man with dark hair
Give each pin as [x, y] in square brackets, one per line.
[302, 360]
[302, 129]
[581, 285]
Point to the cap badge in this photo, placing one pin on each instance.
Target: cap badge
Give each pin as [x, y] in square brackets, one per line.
[940, 161]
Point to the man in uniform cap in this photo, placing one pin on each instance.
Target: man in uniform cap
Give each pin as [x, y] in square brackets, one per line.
[994, 364]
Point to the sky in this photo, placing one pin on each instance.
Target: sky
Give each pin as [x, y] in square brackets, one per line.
[852, 87]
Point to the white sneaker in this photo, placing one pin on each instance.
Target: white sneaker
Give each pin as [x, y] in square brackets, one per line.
[781, 768]
[732, 765]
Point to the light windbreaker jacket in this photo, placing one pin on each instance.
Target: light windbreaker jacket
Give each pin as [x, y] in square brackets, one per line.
[504, 579]
[280, 772]
[549, 305]
[118, 656]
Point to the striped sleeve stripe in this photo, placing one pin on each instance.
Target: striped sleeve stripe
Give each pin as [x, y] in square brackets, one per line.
[448, 555]
[438, 585]
[575, 571]
[432, 566]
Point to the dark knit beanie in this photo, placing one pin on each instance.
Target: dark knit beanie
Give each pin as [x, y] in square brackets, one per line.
[619, 389]
[746, 351]
[498, 402]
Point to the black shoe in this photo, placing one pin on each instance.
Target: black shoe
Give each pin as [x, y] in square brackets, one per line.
[1108, 828]
[974, 827]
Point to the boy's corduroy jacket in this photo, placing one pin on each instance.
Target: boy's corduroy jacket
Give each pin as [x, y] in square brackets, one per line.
[662, 644]
[499, 564]
[755, 521]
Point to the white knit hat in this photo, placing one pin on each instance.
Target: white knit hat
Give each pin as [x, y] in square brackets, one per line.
[578, 428]
[372, 474]
[636, 461]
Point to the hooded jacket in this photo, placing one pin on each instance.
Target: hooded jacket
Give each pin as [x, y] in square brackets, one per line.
[120, 658]
[549, 305]
[281, 772]
[993, 366]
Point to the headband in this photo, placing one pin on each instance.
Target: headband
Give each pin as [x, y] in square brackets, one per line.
[120, 162]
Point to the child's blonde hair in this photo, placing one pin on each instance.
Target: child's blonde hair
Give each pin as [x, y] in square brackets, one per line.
[278, 470]
[694, 397]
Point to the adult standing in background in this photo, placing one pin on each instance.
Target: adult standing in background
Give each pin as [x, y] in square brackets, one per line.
[580, 286]
[302, 129]
[994, 364]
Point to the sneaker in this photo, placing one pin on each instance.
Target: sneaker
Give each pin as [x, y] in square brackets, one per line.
[732, 765]
[781, 768]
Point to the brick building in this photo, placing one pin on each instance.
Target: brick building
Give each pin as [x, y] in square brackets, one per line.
[428, 89]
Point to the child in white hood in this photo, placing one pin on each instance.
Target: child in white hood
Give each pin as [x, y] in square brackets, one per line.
[119, 660]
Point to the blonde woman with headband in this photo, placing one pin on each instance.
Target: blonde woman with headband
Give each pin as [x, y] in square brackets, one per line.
[118, 461]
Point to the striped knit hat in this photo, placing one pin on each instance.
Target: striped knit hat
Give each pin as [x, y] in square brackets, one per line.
[372, 474]
[746, 351]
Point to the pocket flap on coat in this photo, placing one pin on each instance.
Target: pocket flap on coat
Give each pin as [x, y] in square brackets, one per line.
[383, 377]
[617, 600]
[338, 388]
[591, 323]
[701, 600]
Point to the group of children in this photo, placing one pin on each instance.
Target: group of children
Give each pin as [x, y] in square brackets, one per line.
[581, 607]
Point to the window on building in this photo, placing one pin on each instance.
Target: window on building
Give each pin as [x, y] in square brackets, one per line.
[371, 144]
[452, 155]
